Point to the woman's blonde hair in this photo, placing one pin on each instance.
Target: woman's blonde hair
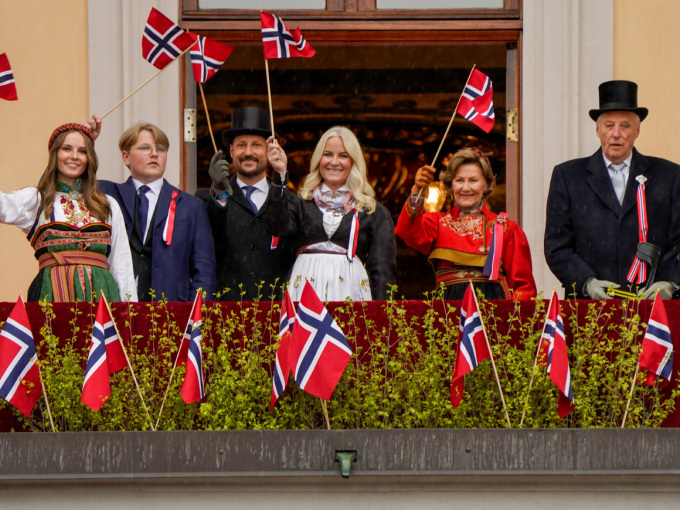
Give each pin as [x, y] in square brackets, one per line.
[95, 200]
[357, 180]
[463, 156]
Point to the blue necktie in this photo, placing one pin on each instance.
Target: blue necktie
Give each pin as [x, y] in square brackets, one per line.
[143, 210]
[249, 191]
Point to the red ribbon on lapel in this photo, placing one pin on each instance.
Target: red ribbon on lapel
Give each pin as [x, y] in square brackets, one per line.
[638, 270]
[170, 220]
[353, 237]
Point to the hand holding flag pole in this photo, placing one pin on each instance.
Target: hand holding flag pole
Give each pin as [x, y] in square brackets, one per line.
[279, 42]
[475, 104]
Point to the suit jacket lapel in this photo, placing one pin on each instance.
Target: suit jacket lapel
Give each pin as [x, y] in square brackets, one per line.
[163, 204]
[601, 183]
[638, 166]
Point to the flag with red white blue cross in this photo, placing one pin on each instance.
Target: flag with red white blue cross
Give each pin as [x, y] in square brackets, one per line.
[163, 40]
[472, 345]
[19, 372]
[207, 56]
[279, 42]
[8, 88]
[282, 362]
[476, 101]
[319, 351]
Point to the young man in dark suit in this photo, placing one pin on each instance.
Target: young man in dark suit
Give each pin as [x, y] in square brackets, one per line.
[172, 247]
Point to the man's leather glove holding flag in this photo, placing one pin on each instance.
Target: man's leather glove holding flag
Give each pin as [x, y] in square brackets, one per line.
[219, 173]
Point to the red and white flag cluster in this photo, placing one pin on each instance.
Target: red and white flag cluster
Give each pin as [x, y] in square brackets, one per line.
[317, 352]
[657, 345]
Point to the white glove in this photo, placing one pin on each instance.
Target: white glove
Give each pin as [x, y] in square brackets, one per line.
[597, 289]
[666, 289]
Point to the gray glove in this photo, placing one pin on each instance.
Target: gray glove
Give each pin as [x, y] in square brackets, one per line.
[219, 173]
[666, 290]
[597, 289]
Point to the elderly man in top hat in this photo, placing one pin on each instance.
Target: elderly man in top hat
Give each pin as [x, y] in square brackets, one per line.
[251, 263]
[595, 240]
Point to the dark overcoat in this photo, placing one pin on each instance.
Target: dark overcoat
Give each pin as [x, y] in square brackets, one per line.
[188, 263]
[248, 265]
[588, 233]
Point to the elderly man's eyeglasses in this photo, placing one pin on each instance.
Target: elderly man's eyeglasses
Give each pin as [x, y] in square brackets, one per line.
[145, 148]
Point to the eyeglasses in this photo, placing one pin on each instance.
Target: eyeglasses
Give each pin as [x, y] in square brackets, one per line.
[145, 148]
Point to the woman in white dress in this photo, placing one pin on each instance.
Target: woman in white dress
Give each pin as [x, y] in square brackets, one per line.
[77, 232]
[346, 237]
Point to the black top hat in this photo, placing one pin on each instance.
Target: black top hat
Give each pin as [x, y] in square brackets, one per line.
[618, 96]
[248, 120]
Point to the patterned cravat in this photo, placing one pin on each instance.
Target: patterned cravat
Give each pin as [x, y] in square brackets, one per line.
[143, 210]
[249, 191]
[618, 180]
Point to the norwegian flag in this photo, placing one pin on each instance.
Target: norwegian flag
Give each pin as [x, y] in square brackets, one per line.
[282, 364]
[19, 372]
[8, 88]
[472, 345]
[319, 351]
[279, 42]
[657, 345]
[193, 388]
[106, 357]
[207, 56]
[163, 40]
[476, 101]
[553, 355]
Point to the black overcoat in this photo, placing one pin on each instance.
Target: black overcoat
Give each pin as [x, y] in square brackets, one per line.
[588, 233]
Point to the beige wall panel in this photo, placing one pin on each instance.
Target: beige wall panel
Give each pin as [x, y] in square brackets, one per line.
[46, 43]
[646, 42]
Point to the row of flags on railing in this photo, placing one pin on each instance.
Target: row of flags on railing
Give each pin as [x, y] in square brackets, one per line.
[311, 346]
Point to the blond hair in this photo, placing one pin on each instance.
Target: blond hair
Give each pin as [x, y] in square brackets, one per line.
[357, 181]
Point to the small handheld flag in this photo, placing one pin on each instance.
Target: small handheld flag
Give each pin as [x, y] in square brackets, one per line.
[193, 388]
[279, 42]
[476, 102]
[106, 357]
[207, 56]
[163, 40]
[472, 345]
[319, 351]
[657, 345]
[553, 354]
[8, 88]
[19, 372]
[282, 363]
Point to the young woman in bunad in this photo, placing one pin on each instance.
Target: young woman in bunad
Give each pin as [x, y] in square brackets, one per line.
[347, 238]
[77, 232]
[459, 241]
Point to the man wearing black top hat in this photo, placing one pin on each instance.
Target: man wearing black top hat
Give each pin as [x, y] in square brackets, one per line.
[592, 228]
[251, 263]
